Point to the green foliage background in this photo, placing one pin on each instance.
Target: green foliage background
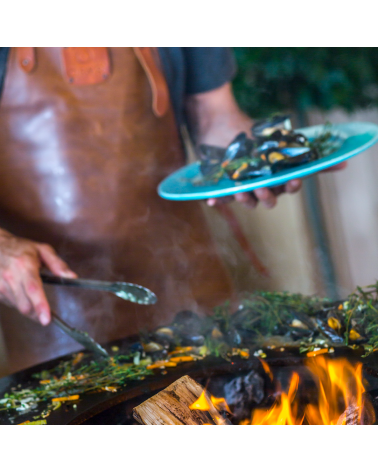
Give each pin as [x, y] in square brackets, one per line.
[279, 79]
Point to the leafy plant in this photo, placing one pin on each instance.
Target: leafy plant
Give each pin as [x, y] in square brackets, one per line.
[298, 78]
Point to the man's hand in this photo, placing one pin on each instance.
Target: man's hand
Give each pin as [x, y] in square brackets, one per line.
[215, 120]
[20, 282]
[267, 196]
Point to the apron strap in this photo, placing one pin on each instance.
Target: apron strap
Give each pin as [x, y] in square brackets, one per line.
[148, 58]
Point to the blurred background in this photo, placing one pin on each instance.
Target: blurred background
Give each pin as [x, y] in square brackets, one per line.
[322, 240]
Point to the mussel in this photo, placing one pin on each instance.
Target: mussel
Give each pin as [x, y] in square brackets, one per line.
[327, 331]
[265, 128]
[241, 146]
[136, 347]
[233, 338]
[192, 340]
[164, 334]
[300, 333]
[211, 158]
[287, 158]
[256, 167]
[188, 321]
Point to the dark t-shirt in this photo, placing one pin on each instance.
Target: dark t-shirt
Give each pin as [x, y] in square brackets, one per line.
[187, 70]
[195, 70]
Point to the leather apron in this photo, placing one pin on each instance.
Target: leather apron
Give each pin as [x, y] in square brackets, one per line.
[79, 168]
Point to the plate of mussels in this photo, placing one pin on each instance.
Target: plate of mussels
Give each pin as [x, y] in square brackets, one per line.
[275, 154]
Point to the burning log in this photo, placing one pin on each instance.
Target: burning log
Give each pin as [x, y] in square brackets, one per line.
[356, 415]
[185, 402]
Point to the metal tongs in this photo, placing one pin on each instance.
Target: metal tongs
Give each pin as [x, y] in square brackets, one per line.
[131, 292]
[81, 337]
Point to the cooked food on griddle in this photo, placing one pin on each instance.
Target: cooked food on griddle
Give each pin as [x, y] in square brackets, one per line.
[274, 147]
[263, 323]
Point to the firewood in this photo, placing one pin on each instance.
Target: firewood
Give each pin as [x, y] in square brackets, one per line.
[356, 415]
[350, 416]
[171, 406]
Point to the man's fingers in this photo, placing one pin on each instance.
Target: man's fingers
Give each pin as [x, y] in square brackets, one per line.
[16, 293]
[6, 293]
[247, 199]
[293, 186]
[54, 262]
[25, 291]
[219, 201]
[40, 308]
[266, 197]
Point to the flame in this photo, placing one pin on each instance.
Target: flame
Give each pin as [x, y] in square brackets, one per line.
[284, 410]
[267, 369]
[340, 389]
[340, 398]
[220, 404]
[203, 404]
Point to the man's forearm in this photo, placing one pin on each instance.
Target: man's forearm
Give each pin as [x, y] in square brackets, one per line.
[215, 117]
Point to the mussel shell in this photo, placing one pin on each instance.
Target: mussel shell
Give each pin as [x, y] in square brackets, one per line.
[265, 146]
[309, 321]
[188, 321]
[192, 340]
[256, 168]
[297, 138]
[266, 128]
[136, 347]
[164, 334]
[299, 333]
[293, 157]
[211, 158]
[290, 138]
[328, 331]
[233, 338]
[153, 347]
[281, 330]
[241, 146]
[158, 355]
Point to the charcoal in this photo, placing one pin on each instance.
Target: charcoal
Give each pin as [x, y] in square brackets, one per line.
[242, 393]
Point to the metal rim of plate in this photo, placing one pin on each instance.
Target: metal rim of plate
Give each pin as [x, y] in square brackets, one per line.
[358, 136]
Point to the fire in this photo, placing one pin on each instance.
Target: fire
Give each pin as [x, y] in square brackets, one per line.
[340, 398]
[220, 404]
[267, 369]
[284, 410]
[203, 404]
[340, 389]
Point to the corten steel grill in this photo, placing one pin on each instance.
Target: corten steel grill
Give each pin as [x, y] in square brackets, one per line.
[243, 382]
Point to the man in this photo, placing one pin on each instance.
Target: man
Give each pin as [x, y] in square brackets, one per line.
[86, 135]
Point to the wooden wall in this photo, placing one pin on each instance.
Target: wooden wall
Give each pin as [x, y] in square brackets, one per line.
[350, 204]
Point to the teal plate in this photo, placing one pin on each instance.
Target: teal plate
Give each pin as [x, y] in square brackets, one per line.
[356, 138]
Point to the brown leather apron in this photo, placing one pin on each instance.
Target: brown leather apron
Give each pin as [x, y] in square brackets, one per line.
[79, 167]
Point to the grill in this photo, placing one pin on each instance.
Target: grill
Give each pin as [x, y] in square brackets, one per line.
[242, 382]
